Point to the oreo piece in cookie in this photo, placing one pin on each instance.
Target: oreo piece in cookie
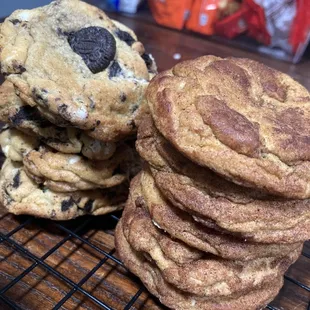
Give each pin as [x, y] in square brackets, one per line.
[28, 113]
[125, 36]
[148, 61]
[67, 204]
[16, 179]
[114, 70]
[95, 45]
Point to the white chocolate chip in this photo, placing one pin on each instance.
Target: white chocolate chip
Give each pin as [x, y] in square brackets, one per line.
[74, 159]
[5, 150]
[24, 16]
[156, 224]
[81, 113]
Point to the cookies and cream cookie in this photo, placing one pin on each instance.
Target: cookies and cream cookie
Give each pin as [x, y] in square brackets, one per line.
[19, 194]
[70, 60]
[18, 114]
[68, 172]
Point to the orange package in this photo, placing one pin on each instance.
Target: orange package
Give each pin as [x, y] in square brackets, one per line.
[170, 13]
[204, 14]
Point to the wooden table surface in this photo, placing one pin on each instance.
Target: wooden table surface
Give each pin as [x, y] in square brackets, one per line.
[41, 289]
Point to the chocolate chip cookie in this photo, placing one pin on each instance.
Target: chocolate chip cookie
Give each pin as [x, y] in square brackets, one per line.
[29, 119]
[19, 194]
[71, 61]
[244, 120]
[67, 172]
[15, 144]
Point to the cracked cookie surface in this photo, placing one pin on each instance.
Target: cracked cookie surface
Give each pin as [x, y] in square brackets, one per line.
[198, 272]
[240, 118]
[175, 298]
[213, 200]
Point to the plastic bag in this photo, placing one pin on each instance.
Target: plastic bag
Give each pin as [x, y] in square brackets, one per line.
[232, 20]
[279, 23]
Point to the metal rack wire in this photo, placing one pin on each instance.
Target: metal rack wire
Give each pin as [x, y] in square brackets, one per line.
[77, 287]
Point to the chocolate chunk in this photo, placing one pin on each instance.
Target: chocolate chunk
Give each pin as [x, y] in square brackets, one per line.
[89, 205]
[62, 109]
[148, 60]
[132, 124]
[16, 179]
[123, 97]
[95, 45]
[15, 21]
[117, 170]
[53, 214]
[92, 103]
[18, 68]
[27, 113]
[115, 70]
[134, 108]
[37, 95]
[67, 204]
[125, 36]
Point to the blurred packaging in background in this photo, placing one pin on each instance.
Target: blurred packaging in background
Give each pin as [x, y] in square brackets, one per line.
[127, 6]
[283, 24]
[173, 13]
[282, 27]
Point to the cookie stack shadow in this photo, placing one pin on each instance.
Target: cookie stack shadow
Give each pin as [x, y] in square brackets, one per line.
[195, 239]
[73, 93]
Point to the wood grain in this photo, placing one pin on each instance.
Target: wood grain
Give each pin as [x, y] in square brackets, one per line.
[112, 284]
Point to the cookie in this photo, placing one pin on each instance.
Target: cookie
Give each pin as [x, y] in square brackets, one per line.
[182, 226]
[175, 298]
[19, 194]
[15, 144]
[201, 192]
[207, 275]
[91, 71]
[29, 119]
[66, 172]
[245, 121]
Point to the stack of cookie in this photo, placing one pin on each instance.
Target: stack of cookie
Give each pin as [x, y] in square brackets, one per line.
[221, 208]
[74, 91]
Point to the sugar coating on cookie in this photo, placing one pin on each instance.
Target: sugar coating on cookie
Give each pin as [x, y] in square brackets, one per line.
[242, 119]
[188, 269]
[199, 191]
[175, 298]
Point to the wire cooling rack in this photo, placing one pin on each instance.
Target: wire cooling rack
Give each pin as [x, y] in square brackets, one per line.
[77, 230]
